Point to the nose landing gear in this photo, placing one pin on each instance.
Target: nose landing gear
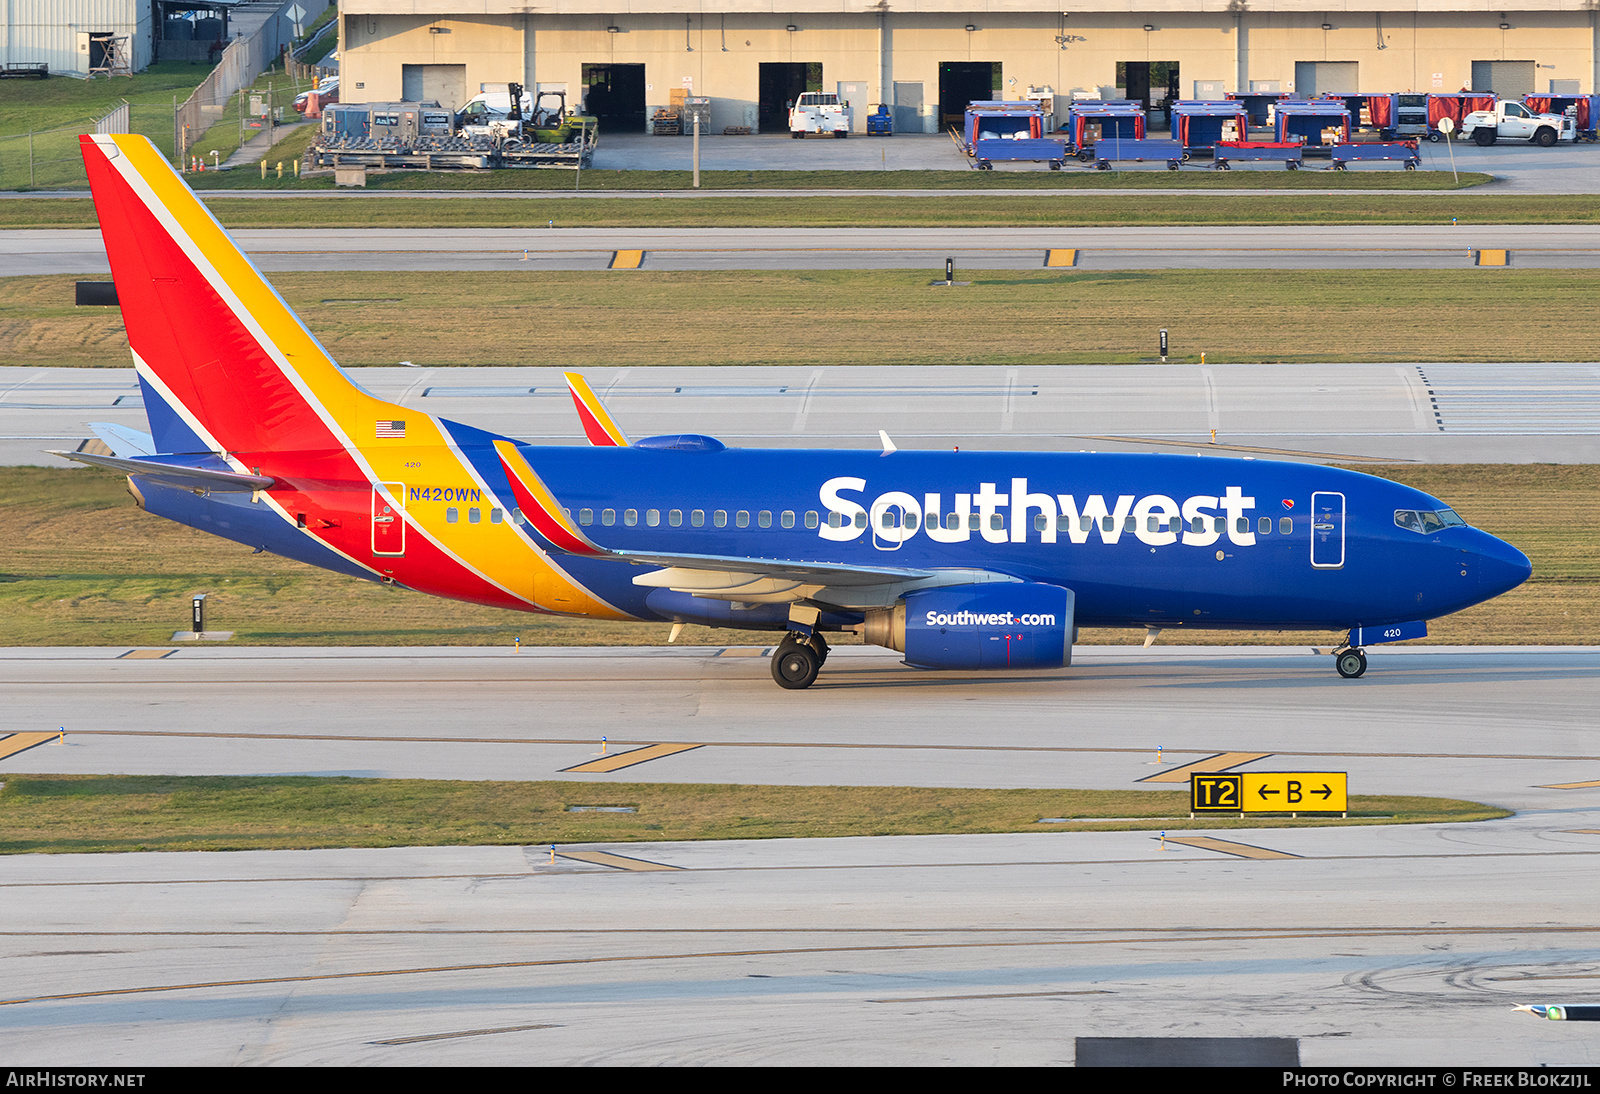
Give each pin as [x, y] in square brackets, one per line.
[1351, 663]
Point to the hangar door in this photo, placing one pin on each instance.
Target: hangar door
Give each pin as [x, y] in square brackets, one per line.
[614, 94]
[1312, 78]
[780, 84]
[446, 83]
[963, 82]
[1507, 79]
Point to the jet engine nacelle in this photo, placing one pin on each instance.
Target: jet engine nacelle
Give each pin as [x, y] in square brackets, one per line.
[1005, 625]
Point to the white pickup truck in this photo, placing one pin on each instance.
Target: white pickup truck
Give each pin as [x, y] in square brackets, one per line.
[819, 112]
[1513, 121]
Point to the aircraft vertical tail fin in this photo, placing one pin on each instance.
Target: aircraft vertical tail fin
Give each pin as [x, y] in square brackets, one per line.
[225, 363]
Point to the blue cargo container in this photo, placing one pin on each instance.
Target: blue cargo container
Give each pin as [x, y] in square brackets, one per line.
[1309, 117]
[1089, 120]
[1198, 124]
[1010, 132]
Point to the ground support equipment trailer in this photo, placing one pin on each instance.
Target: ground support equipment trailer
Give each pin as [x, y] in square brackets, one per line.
[421, 136]
[1405, 151]
[1119, 151]
[1288, 152]
[1512, 121]
[819, 112]
[1009, 132]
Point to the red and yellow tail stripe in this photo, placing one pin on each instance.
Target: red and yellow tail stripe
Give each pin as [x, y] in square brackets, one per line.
[598, 424]
[238, 366]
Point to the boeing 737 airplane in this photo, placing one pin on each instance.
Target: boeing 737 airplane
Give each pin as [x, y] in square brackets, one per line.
[959, 560]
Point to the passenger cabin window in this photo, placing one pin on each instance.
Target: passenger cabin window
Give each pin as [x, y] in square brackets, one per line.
[630, 517]
[452, 515]
[474, 516]
[811, 518]
[1285, 525]
[741, 519]
[764, 519]
[608, 517]
[517, 517]
[496, 516]
[835, 520]
[719, 519]
[585, 516]
[1264, 526]
[675, 518]
[652, 518]
[697, 518]
[997, 522]
[861, 520]
[786, 519]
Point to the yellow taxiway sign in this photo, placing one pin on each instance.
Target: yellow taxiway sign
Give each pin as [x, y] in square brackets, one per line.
[1270, 792]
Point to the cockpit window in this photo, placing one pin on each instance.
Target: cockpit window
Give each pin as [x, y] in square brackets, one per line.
[1426, 521]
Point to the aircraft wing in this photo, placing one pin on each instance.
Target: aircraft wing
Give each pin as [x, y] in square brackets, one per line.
[186, 478]
[784, 581]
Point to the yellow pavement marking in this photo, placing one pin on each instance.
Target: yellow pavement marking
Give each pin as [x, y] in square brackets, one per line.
[1228, 847]
[744, 651]
[1571, 786]
[1584, 831]
[145, 655]
[21, 742]
[626, 260]
[621, 862]
[631, 757]
[1061, 256]
[1492, 258]
[1222, 761]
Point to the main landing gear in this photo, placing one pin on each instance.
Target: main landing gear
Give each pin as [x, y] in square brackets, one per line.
[798, 659]
[1351, 663]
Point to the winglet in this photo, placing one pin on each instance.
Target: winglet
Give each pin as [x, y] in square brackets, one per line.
[598, 425]
[540, 506]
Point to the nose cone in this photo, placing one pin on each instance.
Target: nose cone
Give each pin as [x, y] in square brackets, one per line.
[1501, 567]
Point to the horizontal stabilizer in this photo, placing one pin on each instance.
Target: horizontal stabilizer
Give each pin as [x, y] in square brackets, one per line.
[123, 441]
[187, 478]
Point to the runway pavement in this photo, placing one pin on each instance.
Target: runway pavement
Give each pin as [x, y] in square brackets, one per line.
[1368, 946]
[1438, 413]
[36, 252]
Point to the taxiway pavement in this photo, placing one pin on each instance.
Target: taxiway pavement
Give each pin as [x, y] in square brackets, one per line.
[1437, 413]
[1370, 946]
[35, 252]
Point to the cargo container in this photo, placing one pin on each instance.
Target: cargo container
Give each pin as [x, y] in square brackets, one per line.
[1198, 124]
[1321, 122]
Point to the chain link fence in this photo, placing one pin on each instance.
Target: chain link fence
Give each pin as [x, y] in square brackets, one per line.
[49, 159]
[237, 68]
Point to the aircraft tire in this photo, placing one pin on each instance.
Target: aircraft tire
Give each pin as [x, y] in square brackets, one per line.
[795, 665]
[1350, 663]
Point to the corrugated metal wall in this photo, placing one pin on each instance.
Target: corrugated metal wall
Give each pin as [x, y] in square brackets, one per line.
[48, 31]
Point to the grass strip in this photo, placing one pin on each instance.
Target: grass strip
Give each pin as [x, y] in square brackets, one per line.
[600, 318]
[59, 814]
[851, 211]
[80, 566]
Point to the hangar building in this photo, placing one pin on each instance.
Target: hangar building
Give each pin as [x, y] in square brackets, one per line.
[928, 58]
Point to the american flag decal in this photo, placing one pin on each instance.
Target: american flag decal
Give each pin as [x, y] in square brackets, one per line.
[391, 429]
